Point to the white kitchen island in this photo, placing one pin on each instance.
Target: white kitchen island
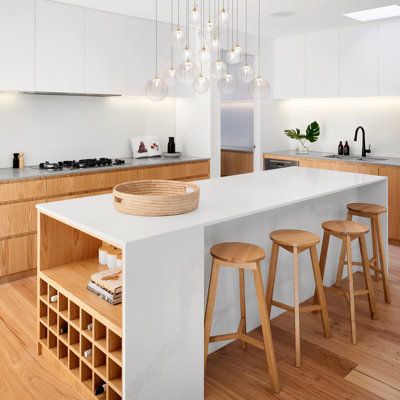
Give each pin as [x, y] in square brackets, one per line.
[167, 263]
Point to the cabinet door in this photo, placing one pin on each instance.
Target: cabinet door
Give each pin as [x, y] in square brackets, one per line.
[322, 64]
[17, 44]
[60, 35]
[389, 58]
[359, 61]
[393, 175]
[290, 67]
[105, 53]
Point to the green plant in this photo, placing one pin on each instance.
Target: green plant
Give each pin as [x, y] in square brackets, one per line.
[312, 135]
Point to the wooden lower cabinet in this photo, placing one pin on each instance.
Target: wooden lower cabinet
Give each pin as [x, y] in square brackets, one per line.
[359, 169]
[393, 175]
[18, 202]
[18, 218]
[17, 255]
[236, 162]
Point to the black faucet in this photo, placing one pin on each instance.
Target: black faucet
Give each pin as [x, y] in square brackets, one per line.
[364, 149]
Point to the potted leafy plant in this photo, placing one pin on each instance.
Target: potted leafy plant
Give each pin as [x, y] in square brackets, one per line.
[311, 136]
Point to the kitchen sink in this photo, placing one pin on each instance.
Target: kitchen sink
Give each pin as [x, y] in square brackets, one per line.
[354, 158]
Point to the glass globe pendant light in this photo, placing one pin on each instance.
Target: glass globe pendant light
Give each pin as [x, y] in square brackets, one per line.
[204, 55]
[246, 71]
[259, 87]
[218, 69]
[201, 84]
[227, 84]
[214, 45]
[186, 54]
[195, 14]
[223, 17]
[178, 35]
[156, 89]
[170, 76]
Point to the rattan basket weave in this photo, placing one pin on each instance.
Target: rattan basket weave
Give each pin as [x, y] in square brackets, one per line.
[156, 197]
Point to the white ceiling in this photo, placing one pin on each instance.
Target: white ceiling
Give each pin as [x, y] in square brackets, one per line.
[310, 15]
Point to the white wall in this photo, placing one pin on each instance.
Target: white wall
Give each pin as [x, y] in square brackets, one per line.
[56, 128]
[338, 118]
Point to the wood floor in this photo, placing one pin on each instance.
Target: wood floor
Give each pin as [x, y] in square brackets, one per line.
[331, 368]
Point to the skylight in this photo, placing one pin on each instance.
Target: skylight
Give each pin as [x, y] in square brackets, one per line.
[375, 13]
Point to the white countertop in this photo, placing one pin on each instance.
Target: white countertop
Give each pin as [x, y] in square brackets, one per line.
[221, 200]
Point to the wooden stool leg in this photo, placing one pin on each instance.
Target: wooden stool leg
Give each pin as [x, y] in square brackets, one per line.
[351, 290]
[349, 216]
[374, 236]
[212, 291]
[242, 325]
[271, 276]
[383, 266]
[320, 291]
[342, 259]
[296, 304]
[367, 276]
[322, 260]
[266, 329]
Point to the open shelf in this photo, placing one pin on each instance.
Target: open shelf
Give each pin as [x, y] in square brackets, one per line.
[77, 320]
[72, 279]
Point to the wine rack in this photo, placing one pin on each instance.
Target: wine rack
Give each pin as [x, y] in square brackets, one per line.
[63, 331]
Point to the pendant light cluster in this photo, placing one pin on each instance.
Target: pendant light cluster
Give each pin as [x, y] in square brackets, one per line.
[208, 19]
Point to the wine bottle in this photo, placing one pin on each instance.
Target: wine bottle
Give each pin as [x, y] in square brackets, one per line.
[100, 389]
[87, 353]
[54, 299]
[63, 330]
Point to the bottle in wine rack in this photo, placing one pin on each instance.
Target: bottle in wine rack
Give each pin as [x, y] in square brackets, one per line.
[64, 329]
[89, 327]
[54, 298]
[100, 389]
[87, 353]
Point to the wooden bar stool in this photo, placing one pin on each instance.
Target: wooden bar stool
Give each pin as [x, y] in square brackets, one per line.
[241, 256]
[378, 261]
[296, 242]
[347, 231]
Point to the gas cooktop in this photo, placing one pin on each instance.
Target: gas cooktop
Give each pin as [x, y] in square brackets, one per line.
[80, 164]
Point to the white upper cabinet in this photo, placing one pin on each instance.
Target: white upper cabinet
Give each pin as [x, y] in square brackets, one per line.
[17, 44]
[60, 33]
[322, 64]
[140, 55]
[290, 67]
[389, 58]
[359, 61]
[105, 53]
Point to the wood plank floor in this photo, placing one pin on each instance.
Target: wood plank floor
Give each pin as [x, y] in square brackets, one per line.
[331, 368]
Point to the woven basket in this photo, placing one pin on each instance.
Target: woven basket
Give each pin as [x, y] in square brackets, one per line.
[156, 197]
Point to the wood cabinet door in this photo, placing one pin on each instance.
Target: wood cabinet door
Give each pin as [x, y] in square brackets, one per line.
[236, 162]
[18, 218]
[184, 171]
[393, 175]
[17, 254]
[17, 191]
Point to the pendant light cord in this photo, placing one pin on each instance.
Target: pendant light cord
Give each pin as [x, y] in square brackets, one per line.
[237, 22]
[156, 38]
[218, 34]
[187, 24]
[233, 23]
[179, 6]
[259, 38]
[202, 36]
[246, 35]
[172, 31]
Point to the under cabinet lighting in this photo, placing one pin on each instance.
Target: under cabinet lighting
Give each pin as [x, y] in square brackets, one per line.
[375, 13]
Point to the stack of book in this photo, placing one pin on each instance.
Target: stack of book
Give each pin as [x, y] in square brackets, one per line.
[107, 285]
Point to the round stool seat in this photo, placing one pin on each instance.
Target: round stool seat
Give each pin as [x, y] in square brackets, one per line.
[237, 252]
[340, 227]
[367, 208]
[294, 237]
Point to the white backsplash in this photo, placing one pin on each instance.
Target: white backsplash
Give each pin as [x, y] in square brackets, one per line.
[57, 128]
[339, 118]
